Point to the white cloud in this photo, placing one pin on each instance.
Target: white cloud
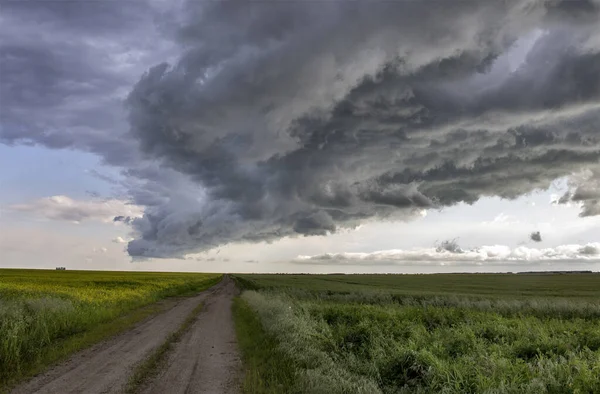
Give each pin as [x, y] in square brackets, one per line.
[120, 240]
[502, 219]
[494, 254]
[67, 209]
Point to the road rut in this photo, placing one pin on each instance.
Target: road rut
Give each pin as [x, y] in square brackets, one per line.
[206, 360]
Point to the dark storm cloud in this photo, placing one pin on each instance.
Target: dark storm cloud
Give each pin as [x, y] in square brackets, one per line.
[297, 118]
[301, 119]
[585, 191]
[66, 67]
[123, 219]
[535, 236]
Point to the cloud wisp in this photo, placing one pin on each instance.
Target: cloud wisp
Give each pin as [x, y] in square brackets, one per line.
[67, 209]
[300, 119]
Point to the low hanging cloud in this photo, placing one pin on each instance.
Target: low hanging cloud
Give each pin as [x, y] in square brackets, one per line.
[67, 209]
[123, 219]
[301, 118]
[484, 255]
[535, 236]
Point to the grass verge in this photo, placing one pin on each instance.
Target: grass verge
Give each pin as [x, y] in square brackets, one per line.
[267, 370]
[61, 350]
[151, 366]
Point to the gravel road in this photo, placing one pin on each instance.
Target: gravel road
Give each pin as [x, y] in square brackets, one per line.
[206, 360]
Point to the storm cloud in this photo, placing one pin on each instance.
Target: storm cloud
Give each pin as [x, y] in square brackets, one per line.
[585, 191]
[535, 236]
[66, 68]
[300, 119]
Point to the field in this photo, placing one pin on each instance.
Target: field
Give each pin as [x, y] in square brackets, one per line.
[45, 315]
[506, 333]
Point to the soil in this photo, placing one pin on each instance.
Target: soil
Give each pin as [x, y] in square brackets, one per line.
[206, 360]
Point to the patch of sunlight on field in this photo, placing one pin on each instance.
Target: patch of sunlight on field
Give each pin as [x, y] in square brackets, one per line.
[41, 308]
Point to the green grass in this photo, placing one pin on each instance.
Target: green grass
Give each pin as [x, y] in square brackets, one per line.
[47, 315]
[267, 370]
[384, 334]
[151, 366]
[62, 348]
[479, 285]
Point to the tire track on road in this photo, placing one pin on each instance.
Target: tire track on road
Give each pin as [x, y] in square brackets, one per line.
[206, 360]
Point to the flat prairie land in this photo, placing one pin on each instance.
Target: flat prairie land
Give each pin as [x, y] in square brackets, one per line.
[446, 333]
[568, 285]
[47, 315]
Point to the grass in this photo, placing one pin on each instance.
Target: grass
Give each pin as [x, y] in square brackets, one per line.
[382, 334]
[63, 348]
[267, 370]
[151, 366]
[47, 315]
[478, 285]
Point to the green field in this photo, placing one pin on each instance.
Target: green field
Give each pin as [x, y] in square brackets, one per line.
[452, 333]
[45, 315]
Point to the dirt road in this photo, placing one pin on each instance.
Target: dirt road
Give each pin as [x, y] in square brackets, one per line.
[107, 366]
[206, 359]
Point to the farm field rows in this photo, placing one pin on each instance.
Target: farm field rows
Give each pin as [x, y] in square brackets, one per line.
[457, 333]
[45, 315]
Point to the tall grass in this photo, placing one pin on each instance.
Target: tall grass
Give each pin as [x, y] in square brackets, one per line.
[300, 340]
[267, 369]
[357, 341]
[39, 309]
[567, 308]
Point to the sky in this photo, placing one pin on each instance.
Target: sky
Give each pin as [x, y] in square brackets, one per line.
[303, 136]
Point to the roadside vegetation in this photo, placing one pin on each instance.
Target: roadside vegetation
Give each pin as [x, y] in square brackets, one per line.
[47, 315]
[268, 369]
[413, 334]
